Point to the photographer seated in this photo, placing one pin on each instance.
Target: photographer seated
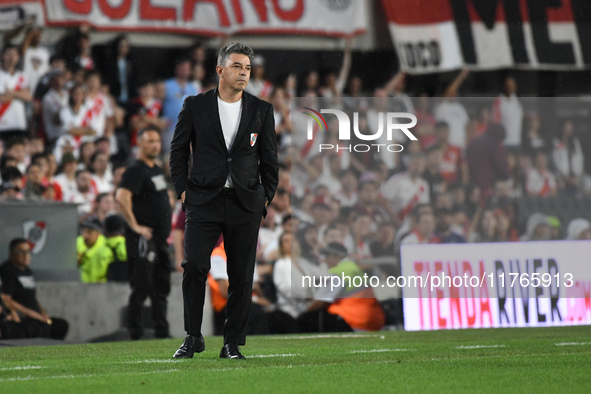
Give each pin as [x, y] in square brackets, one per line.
[344, 307]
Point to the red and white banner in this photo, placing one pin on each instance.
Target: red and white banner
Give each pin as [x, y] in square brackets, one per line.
[518, 284]
[213, 17]
[440, 35]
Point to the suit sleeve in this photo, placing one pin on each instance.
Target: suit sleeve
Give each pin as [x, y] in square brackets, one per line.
[180, 149]
[269, 166]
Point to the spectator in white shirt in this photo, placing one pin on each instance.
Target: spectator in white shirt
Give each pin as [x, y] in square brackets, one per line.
[348, 193]
[405, 190]
[36, 57]
[98, 105]
[85, 193]
[508, 111]
[423, 232]
[66, 180]
[14, 93]
[539, 180]
[568, 157]
[453, 112]
[294, 300]
[16, 148]
[258, 85]
[75, 122]
[102, 175]
[357, 241]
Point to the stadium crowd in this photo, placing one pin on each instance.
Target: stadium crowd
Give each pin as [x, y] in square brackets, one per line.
[69, 125]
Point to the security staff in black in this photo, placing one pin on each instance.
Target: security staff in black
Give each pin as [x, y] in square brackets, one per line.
[19, 294]
[145, 206]
[234, 174]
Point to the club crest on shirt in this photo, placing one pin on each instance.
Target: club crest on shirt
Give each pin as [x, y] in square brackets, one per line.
[253, 138]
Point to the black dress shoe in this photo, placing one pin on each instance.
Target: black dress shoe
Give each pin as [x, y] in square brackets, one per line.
[231, 350]
[190, 346]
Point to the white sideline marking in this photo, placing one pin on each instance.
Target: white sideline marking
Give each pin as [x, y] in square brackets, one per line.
[328, 336]
[29, 377]
[153, 361]
[379, 350]
[21, 368]
[479, 346]
[274, 355]
[572, 343]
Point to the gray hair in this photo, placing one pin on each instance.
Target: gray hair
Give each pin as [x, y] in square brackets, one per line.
[234, 47]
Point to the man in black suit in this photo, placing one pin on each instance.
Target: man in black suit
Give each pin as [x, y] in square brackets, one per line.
[233, 177]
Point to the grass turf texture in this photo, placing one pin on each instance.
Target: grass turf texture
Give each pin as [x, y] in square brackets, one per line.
[485, 360]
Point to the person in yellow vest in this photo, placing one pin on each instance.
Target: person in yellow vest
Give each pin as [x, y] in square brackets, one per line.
[94, 255]
[343, 307]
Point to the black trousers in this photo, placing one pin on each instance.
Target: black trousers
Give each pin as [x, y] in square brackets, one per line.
[226, 215]
[149, 276]
[11, 330]
[31, 328]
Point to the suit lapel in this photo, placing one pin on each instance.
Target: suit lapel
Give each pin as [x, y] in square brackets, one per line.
[214, 114]
[244, 118]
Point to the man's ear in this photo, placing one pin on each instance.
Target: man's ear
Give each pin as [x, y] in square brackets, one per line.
[218, 70]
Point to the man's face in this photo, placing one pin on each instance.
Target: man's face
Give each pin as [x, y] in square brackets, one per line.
[93, 82]
[349, 181]
[107, 204]
[510, 86]
[362, 225]
[90, 236]
[147, 91]
[83, 181]
[426, 225]
[444, 221]
[541, 161]
[333, 235]
[183, 70]
[442, 135]
[236, 72]
[34, 174]
[58, 64]
[332, 260]
[287, 226]
[321, 214]
[10, 58]
[100, 163]
[434, 158]
[416, 166]
[18, 152]
[368, 193]
[104, 147]
[21, 255]
[150, 144]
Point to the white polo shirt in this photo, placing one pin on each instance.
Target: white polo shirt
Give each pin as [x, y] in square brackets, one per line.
[230, 119]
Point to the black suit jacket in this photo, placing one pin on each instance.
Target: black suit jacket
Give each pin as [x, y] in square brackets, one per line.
[251, 161]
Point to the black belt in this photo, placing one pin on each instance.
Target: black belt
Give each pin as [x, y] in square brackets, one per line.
[229, 191]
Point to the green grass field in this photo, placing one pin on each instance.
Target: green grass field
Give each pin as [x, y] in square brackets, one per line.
[551, 360]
